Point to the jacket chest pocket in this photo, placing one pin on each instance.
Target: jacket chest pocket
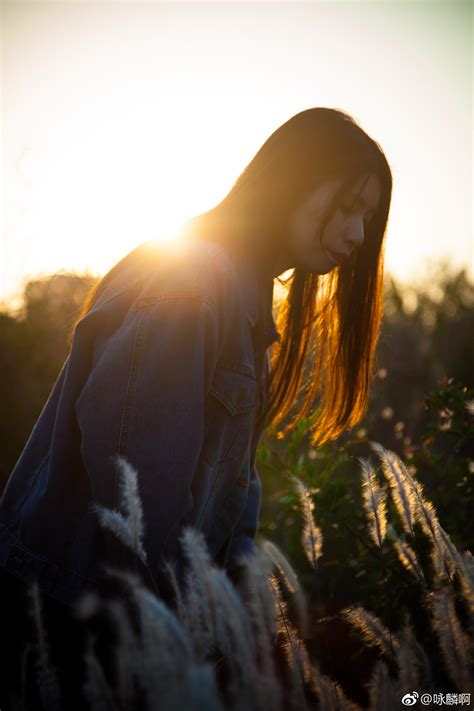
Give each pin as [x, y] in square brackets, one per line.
[228, 415]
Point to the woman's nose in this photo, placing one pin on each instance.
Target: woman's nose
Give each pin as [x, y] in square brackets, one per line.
[355, 235]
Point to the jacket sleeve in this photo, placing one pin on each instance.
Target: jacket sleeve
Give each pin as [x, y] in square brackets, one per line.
[144, 399]
[243, 538]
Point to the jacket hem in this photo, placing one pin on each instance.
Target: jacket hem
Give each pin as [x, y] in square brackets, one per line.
[53, 579]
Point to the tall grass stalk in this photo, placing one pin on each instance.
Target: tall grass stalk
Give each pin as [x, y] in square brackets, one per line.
[407, 489]
[291, 582]
[372, 628]
[97, 691]
[294, 654]
[312, 536]
[409, 560]
[453, 641]
[402, 496]
[374, 503]
[48, 682]
[167, 658]
[413, 662]
[383, 692]
[129, 529]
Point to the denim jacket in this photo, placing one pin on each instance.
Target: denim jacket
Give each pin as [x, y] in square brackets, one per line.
[163, 370]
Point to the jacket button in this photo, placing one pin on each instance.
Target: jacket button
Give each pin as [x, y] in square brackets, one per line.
[16, 562]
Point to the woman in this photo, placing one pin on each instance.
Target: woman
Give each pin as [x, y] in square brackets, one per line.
[168, 365]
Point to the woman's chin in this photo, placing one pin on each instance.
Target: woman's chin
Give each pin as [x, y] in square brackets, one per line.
[320, 266]
[316, 263]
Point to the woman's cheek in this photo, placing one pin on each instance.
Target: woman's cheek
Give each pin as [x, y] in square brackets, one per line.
[333, 230]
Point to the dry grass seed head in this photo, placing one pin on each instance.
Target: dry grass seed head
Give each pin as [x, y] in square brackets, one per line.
[288, 642]
[413, 663]
[408, 671]
[467, 581]
[180, 607]
[414, 502]
[464, 564]
[402, 495]
[235, 641]
[199, 595]
[443, 564]
[291, 582]
[408, 558]
[383, 693]
[199, 691]
[312, 537]
[262, 605]
[261, 599]
[453, 641]
[115, 522]
[48, 682]
[96, 689]
[374, 503]
[330, 694]
[128, 660]
[86, 606]
[131, 503]
[372, 628]
[165, 649]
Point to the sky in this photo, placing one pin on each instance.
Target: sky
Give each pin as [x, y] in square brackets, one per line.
[119, 120]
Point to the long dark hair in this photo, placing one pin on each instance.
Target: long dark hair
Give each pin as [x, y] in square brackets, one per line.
[329, 325]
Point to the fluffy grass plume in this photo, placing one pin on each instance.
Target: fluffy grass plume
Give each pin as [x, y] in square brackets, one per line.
[412, 505]
[407, 557]
[291, 582]
[235, 648]
[373, 630]
[215, 609]
[293, 648]
[383, 692]
[127, 662]
[262, 604]
[470, 407]
[453, 641]
[312, 537]
[464, 563]
[402, 496]
[129, 529]
[199, 593]
[330, 693]
[99, 695]
[374, 503]
[413, 664]
[131, 502]
[48, 683]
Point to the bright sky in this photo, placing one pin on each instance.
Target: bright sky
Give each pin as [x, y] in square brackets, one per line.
[120, 120]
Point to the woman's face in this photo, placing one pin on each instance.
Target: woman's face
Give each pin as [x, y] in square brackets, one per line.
[317, 248]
